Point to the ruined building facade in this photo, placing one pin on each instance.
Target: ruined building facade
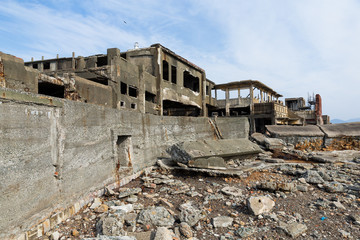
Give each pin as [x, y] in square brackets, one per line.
[151, 80]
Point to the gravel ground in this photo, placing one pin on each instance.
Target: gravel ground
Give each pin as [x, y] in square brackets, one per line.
[314, 210]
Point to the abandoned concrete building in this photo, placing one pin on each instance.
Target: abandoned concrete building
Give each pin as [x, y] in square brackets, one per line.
[310, 113]
[70, 126]
[156, 80]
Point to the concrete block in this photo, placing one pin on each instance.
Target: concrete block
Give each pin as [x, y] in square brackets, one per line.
[183, 152]
[211, 163]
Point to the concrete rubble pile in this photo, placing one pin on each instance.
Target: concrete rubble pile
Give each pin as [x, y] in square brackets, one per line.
[316, 196]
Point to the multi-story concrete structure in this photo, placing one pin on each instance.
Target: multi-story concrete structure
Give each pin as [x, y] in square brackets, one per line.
[151, 80]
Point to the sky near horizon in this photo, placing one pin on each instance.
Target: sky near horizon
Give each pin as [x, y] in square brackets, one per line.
[295, 47]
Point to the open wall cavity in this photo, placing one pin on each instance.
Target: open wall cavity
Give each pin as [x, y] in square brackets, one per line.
[191, 81]
[172, 108]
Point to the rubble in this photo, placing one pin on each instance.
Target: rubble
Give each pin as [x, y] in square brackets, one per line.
[297, 198]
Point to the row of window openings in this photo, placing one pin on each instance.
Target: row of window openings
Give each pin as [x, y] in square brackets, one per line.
[132, 105]
[133, 92]
[190, 81]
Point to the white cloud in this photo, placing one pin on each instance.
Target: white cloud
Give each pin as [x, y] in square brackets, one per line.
[295, 47]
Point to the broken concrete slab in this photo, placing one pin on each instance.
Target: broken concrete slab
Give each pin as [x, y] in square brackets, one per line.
[289, 131]
[259, 138]
[274, 143]
[334, 156]
[211, 163]
[295, 134]
[186, 151]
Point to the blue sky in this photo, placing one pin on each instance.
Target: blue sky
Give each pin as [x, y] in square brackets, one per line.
[295, 47]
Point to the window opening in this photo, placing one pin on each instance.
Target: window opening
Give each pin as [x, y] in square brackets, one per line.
[165, 70]
[123, 88]
[51, 89]
[150, 97]
[46, 65]
[173, 74]
[102, 61]
[133, 92]
[191, 82]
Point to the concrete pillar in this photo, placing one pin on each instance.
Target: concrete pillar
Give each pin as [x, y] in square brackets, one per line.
[216, 94]
[261, 96]
[204, 109]
[142, 104]
[252, 119]
[227, 103]
[111, 53]
[239, 96]
[73, 61]
[158, 74]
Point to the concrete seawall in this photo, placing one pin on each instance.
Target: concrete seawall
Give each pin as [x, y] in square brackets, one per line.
[325, 133]
[54, 151]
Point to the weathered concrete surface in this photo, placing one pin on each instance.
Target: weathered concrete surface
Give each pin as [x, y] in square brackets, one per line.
[341, 129]
[296, 134]
[18, 76]
[54, 151]
[290, 131]
[186, 151]
[211, 163]
[229, 127]
[325, 133]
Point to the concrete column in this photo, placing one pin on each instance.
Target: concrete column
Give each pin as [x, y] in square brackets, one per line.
[227, 103]
[204, 109]
[158, 74]
[216, 94]
[141, 96]
[73, 61]
[239, 96]
[261, 96]
[252, 119]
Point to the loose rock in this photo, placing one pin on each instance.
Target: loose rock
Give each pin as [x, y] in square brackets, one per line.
[259, 205]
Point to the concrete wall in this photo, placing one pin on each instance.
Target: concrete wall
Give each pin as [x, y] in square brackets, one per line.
[17, 76]
[54, 151]
[326, 133]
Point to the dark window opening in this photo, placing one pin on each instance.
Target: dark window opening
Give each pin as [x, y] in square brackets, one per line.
[150, 97]
[191, 82]
[35, 65]
[171, 108]
[165, 70]
[122, 104]
[123, 55]
[51, 89]
[102, 61]
[123, 88]
[260, 124]
[207, 91]
[173, 74]
[133, 92]
[46, 65]
[133, 105]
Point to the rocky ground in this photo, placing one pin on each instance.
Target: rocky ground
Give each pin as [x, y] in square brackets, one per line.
[292, 196]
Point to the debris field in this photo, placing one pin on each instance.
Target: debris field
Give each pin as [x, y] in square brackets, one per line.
[315, 195]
